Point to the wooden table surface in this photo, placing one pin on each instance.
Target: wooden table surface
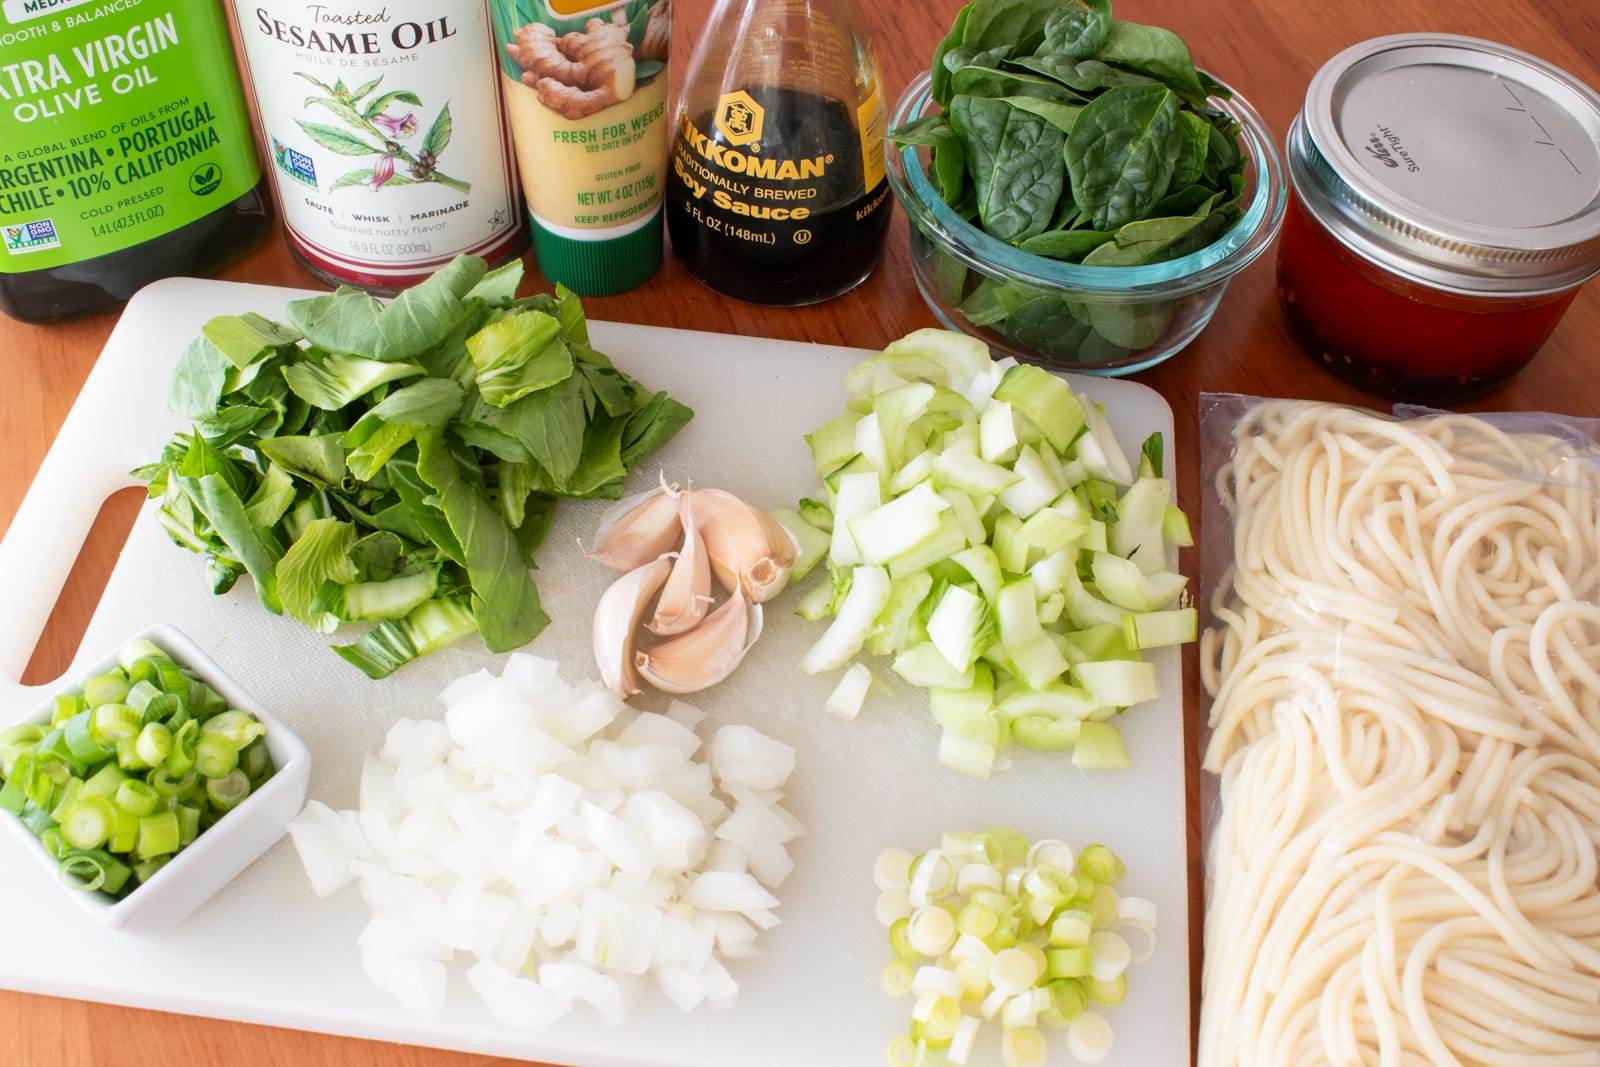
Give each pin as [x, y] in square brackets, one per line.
[1266, 48]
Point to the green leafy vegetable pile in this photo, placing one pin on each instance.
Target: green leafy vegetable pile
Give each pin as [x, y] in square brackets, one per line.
[399, 463]
[1080, 137]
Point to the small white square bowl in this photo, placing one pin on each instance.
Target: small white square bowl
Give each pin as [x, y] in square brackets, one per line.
[217, 856]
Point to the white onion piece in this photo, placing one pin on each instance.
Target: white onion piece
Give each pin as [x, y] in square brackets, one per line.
[414, 981]
[892, 869]
[741, 755]
[549, 830]
[515, 1001]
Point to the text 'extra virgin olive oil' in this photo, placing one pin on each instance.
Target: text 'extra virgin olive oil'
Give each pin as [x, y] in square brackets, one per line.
[775, 189]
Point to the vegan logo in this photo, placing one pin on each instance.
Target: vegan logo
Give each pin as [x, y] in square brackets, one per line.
[739, 119]
[205, 180]
[30, 237]
[296, 165]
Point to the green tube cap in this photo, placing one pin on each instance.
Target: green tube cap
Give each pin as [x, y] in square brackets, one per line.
[602, 267]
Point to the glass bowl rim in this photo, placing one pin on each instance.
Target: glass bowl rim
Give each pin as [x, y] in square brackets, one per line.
[1217, 262]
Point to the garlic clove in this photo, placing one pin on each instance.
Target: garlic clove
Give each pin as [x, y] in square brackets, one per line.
[686, 597]
[616, 619]
[706, 654]
[748, 548]
[639, 529]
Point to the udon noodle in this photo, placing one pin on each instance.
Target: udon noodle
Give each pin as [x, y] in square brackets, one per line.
[1405, 670]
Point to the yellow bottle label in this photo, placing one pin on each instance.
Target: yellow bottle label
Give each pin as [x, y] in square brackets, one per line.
[873, 122]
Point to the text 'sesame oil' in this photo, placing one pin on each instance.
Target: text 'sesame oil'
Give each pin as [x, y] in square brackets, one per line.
[775, 187]
[767, 199]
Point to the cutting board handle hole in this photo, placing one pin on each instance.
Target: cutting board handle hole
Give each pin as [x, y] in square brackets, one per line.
[80, 594]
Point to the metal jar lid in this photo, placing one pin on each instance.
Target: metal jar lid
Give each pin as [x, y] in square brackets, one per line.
[1459, 163]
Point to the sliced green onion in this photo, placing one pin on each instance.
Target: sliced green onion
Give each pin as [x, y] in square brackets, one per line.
[138, 649]
[128, 757]
[36, 819]
[1069, 962]
[116, 722]
[170, 785]
[54, 843]
[66, 706]
[1101, 864]
[124, 831]
[180, 760]
[188, 824]
[239, 727]
[137, 798]
[109, 688]
[228, 791]
[897, 978]
[256, 762]
[215, 754]
[88, 825]
[70, 793]
[154, 744]
[141, 695]
[159, 835]
[147, 869]
[104, 782]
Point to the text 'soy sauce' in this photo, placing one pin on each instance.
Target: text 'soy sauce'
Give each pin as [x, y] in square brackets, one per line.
[1445, 211]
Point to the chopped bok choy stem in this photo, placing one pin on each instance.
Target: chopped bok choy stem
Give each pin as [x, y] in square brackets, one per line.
[988, 534]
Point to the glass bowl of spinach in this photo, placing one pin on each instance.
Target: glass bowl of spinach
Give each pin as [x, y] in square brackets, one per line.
[1088, 212]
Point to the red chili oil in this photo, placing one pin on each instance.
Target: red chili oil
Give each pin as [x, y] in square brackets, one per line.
[1389, 335]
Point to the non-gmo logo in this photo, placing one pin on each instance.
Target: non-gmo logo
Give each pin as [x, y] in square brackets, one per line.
[30, 237]
[296, 165]
[205, 179]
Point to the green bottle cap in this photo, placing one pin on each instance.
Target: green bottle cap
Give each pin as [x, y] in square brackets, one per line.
[603, 267]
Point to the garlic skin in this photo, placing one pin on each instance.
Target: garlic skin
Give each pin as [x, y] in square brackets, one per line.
[616, 620]
[706, 654]
[748, 549]
[639, 529]
[686, 597]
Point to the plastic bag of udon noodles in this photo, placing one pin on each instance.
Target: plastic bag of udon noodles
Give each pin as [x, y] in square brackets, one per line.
[1401, 667]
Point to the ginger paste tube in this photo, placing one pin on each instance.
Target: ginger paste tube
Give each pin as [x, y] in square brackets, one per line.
[586, 90]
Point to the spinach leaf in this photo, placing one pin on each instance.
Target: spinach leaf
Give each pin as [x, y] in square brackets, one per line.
[1158, 52]
[949, 152]
[1078, 30]
[1014, 157]
[1065, 244]
[1017, 24]
[941, 74]
[1046, 325]
[1083, 76]
[990, 81]
[1121, 154]
[1189, 200]
[1061, 116]
[1194, 136]
[504, 598]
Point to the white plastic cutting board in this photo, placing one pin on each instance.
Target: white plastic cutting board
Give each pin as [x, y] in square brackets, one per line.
[265, 950]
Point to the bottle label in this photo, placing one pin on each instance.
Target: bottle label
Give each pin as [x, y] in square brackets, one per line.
[586, 85]
[385, 132]
[768, 165]
[119, 122]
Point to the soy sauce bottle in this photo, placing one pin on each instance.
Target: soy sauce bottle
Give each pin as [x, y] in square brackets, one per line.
[775, 189]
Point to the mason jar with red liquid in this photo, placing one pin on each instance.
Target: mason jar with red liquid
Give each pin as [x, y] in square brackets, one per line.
[1445, 210]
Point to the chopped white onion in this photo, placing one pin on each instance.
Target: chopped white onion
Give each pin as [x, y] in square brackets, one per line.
[551, 831]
